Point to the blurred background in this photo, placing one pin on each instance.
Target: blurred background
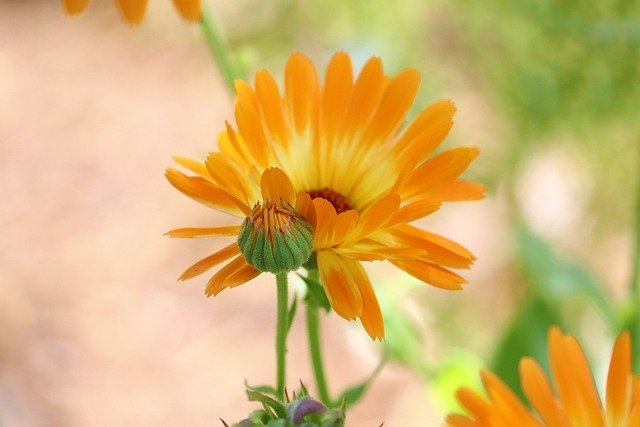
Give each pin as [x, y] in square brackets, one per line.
[95, 329]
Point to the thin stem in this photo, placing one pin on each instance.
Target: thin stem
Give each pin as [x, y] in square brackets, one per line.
[281, 332]
[315, 347]
[220, 49]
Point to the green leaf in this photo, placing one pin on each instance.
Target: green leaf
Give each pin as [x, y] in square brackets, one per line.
[267, 402]
[557, 280]
[525, 336]
[292, 312]
[316, 294]
[352, 395]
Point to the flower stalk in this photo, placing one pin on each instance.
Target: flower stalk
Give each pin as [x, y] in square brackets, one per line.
[315, 347]
[281, 332]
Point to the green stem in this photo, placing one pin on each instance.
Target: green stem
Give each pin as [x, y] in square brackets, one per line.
[281, 332]
[221, 50]
[313, 329]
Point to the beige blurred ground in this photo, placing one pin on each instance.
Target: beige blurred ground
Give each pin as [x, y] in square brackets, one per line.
[94, 328]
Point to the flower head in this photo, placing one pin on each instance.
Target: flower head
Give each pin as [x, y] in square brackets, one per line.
[575, 402]
[133, 10]
[359, 180]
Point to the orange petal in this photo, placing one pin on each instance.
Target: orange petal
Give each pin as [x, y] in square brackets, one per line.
[271, 108]
[337, 89]
[619, 381]
[436, 248]
[325, 216]
[365, 95]
[224, 173]
[305, 206]
[194, 166]
[425, 133]
[371, 316]
[459, 190]
[206, 193]
[74, 7]
[218, 282]
[230, 230]
[189, 9]
[438, 171]
[245, 93]
[211, 261]
[339, 283]
[394, 104]
[276, 185]
[477, 406]
[250, 127]
[132, 10]
[414, 211]
[538, 390]
[457, 420]
[301, 92]
[431, 274]
[375, 217]
[507, 406]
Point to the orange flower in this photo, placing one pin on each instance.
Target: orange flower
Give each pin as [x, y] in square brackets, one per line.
[576, 401]
[133, 10]
[341, 148]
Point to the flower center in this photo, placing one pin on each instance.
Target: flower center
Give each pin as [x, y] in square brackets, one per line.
[339, 202]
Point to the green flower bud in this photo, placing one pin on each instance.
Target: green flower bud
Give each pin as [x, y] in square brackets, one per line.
[275, 237]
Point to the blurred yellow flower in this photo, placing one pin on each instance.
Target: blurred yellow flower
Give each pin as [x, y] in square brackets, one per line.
[359, 180]
[576, 402]
[133, 10]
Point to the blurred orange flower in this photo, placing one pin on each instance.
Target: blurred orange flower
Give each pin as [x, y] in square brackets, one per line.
[576, 402]
[365, 181]
[133, 10]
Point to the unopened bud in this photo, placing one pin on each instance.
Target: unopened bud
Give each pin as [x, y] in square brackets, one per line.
[275, 237]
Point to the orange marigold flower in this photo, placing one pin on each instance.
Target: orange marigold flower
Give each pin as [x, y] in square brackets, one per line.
[340, 145]
[576, 401]
[133, 10]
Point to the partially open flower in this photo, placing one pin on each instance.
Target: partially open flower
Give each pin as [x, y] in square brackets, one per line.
[276, 235]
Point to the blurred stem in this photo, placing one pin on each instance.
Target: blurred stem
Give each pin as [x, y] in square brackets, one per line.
[313, 329]
[281, 332]
[220, 49]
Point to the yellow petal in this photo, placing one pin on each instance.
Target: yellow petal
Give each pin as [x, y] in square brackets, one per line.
[325, 216]
[132, 10]
[375, 217]
[338, 282]
[211, 261]
[231, 230]
[337, 90]
[414, 211]
[459, 190]
[74, 7]
[189, 9]
[194, 166]
[250, 127]
[365, 95]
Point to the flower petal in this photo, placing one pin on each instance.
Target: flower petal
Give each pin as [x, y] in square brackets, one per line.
[225, 175]
[211, 261]
[301, 92]
[337, 90]
[206, 193]
[272, 108]
[374, 217]
[459, 190]
[431, 273]
[189, 9]
[74, 7]
[539, 392]
[436, 248]
[218, 282]
[365, 96]
[230, 230]
[371, 316]
[132, 10]
[276, 185]
[619, 381]
[339, 283]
